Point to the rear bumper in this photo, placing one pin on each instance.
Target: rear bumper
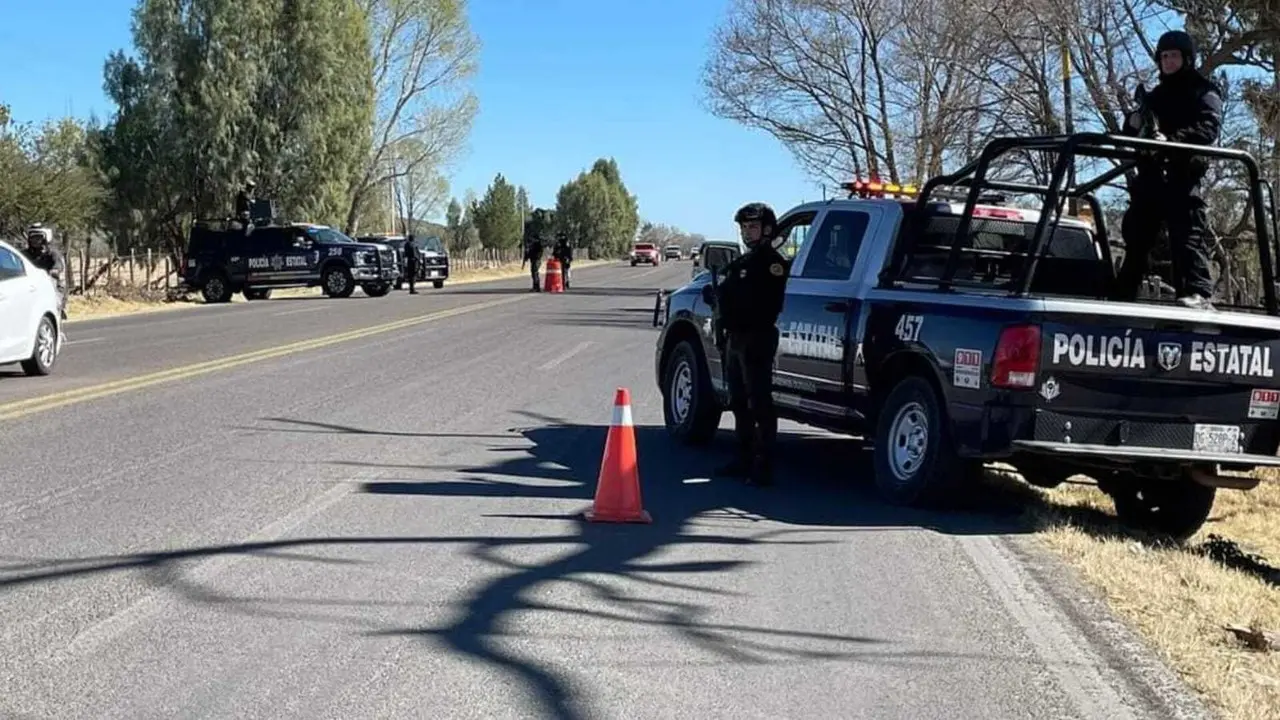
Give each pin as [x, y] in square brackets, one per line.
[1000, 431]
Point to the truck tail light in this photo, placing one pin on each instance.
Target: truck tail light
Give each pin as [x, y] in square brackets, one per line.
[1017, 358]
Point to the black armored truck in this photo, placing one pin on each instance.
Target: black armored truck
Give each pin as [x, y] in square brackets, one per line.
[951, 329]
[222, 260]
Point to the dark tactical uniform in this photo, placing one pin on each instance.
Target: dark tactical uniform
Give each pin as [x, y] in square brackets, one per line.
[564, 253]
[533, 256]
[411, 263]
[748, 301]
[43, 255]
[244, 206]
[1188, 109]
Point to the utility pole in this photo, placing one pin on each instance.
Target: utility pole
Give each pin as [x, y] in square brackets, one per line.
[1068, 124]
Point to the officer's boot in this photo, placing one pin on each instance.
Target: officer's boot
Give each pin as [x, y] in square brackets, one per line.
[761, 474]
[740, 466]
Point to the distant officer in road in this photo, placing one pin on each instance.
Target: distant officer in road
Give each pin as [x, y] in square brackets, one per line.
[244, 206]
[564, 253]
[533, 256]
[42, 254]
[1188, 109]
[412, 263]
[748, 301]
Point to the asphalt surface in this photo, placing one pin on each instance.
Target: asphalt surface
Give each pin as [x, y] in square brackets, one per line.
[387, 527]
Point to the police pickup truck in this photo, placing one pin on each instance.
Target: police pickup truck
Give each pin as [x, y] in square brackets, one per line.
[222, 260]
[951, 334]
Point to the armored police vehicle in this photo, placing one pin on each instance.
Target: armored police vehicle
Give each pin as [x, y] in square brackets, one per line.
[950, 334]
[222, 260]
[433, 259]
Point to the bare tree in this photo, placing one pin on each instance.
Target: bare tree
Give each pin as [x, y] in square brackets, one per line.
[424, 56]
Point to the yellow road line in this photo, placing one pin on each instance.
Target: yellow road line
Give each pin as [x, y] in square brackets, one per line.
[21, 408]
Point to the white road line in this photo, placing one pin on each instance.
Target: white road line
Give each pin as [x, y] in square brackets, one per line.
[577, 349]
[299, 310]
[85, 341]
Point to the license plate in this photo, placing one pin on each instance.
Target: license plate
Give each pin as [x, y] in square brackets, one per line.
[433, 273]
[1222, 439]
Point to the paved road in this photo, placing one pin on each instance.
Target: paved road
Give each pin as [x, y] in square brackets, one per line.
[386, 526]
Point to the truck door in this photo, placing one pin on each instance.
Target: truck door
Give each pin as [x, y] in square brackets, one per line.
[818, 339]
[265, 251]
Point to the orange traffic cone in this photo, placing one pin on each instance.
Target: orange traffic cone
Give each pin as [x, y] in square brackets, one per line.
[618, 489]
[554, 282]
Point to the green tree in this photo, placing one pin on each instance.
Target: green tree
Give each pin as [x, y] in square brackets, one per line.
[218, 92]
[596, 211]
[522, 201]
[497, 217]
[48, 178]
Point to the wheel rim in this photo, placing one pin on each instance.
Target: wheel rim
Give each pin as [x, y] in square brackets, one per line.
[337, 283]
[681, 392]
[908, 441]
[214, 288]
[45, 344]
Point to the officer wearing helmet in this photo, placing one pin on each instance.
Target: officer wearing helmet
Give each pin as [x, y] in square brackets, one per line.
[1188, 109]
[563, 252]
[747, 303]
[244, 205]
[42, 254]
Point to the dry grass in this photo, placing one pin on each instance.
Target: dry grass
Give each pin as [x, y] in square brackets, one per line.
[120, 301]
[1180, 598]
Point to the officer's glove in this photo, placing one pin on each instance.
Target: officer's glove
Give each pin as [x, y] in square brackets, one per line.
[1160, 136]
[709, 295]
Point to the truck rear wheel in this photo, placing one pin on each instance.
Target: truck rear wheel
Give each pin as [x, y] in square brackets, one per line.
[914, 459]
[1172, 508]
[216, 289]
[689, 406]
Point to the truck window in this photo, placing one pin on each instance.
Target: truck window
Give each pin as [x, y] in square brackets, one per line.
[795, 229]
[835, 246]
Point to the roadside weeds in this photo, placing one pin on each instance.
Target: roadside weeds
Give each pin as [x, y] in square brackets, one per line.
[1180, 598]
[120, 302]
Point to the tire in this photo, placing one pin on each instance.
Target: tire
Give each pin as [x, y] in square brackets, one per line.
[690, 409]
[216, 289]
[257, 294]
[337, 282]
[912, 415]
[376, 289]
[437, 284]
[45, 353]
[1175, 509]
[633, 263]
[400, 284]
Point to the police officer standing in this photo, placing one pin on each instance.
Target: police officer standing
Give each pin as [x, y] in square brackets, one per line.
[412, 263]
[1188, 109]
[244, 205]
[747, 303]
[564, 253]
[533, 255]
[42, 254]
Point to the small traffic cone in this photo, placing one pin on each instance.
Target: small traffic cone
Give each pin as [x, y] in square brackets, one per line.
[618, 489]
[554, 282]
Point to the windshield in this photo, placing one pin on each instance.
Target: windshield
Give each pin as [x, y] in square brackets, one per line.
[431, 244]
[328, 236]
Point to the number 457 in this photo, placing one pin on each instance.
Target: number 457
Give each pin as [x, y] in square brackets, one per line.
[908, 329]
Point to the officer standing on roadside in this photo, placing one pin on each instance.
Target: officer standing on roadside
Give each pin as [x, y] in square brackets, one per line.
[533, 252]
[747, 302]
[564, 253]
[42, 254]
[1188, 109]
[411, 261]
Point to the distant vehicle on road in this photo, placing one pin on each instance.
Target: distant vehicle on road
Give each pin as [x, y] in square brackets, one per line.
[221, 261]
[30, 328]
[644, 253]
[672, 252]
[433, 259]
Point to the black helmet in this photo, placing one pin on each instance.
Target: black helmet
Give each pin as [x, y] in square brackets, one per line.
[756, 211]
[1177, 40]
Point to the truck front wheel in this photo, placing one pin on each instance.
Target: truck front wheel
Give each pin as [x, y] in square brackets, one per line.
[1174, 508]
[914, 459]
[689, 406]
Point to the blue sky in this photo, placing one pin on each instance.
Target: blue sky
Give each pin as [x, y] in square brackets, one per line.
[561, 83]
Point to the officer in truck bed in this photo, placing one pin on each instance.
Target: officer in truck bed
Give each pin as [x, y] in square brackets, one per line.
[748, 301]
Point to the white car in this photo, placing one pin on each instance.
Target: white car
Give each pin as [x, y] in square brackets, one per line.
[30, 329]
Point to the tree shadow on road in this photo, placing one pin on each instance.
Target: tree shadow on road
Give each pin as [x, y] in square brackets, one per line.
[819, 497]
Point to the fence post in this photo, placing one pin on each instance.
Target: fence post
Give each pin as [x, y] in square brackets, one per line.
[133, 261]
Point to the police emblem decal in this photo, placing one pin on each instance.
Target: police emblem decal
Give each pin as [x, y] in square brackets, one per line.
[1169, 355]
[1049, 390]
[776, 269]
[277, 263]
